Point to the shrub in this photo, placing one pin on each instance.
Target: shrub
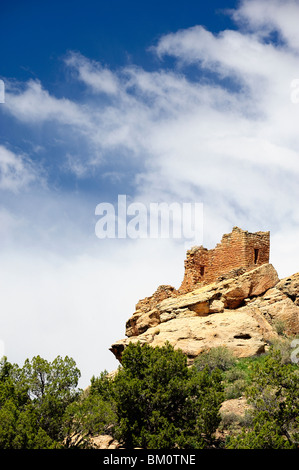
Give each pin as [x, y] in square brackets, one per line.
[280, 327]
[283, 345]
[216, 358]
[274, 396]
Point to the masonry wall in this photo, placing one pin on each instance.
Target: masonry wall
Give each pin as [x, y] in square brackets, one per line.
[237, 250]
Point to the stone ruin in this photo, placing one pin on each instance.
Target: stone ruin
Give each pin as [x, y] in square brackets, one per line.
[238, 252]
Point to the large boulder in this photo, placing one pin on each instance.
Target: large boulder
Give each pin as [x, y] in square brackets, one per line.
[280, 308]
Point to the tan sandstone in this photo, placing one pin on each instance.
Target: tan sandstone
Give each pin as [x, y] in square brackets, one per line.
[210, 316]
[230, 296]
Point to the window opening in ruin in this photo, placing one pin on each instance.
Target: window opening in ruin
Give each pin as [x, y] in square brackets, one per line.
[256, 255]
[202, 270]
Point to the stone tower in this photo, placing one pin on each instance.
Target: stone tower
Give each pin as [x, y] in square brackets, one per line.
[238, 251]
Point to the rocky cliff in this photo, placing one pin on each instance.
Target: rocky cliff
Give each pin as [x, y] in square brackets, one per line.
[240, 310]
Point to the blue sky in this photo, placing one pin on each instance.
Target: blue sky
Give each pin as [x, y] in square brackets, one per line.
[38, 37]
[160, 101]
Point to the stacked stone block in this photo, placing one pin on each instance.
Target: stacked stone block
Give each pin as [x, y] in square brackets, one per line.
[238, 250]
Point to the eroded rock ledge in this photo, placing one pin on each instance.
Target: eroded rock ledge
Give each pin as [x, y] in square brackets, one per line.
[238, 312]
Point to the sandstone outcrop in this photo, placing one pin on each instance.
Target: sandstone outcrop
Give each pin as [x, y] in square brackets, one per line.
[281, 304]
[212, 315]
[239, 310]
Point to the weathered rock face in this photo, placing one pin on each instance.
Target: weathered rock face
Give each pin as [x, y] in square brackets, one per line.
[244, 331]
[239, 313]
[213, 298]
[281, 304]
[230, 296]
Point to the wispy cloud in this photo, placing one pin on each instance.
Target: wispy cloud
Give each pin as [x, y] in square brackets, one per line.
[227, 133]
[264, 17]
[35, 104]
[93, 74]
[16, 171]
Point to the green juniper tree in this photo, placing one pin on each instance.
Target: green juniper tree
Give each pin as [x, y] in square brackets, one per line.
[33, 400]
[161, 403]
[92, 414]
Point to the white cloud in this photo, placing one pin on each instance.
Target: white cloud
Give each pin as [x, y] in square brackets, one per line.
[35, 104]
[16, 171]
[264, 17]
[98, 78]
[8, 224]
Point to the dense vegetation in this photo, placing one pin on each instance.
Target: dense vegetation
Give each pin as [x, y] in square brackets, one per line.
[33, 400]
[154, 401]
